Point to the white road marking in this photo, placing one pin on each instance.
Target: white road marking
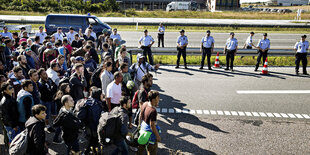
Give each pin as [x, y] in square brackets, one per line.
[255, 114]
[262, 114]
[220, 113]
[291, 115]
[234, 113]
[298, 116]
[206, 112]
[199, 112]
[248, 114]
[306, 116]
[213, 112]
[273, 91]
[270, 115]
[227, 113]
[231, 113]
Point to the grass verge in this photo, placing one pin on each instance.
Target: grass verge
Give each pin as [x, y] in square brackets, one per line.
[245, 61]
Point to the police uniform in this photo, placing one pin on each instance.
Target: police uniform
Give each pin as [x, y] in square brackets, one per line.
[58, 36]
[146, 41]
[301, 54]
[181, 41]
[231, 49]
[249, 42]
[206, 47]
[263, 44]
[161, 33]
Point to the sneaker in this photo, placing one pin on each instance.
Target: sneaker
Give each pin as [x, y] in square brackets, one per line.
[255, 70]
[306, 73]
[177, 67]
[58, 142]
[185, 67]
[201, 68]
[226, 69]
[210, 69]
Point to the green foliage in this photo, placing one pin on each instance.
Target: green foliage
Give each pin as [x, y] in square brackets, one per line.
[68, 6]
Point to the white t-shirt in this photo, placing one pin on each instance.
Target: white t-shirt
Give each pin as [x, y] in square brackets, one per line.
[70, 36]
[42, 36]
[114, 92]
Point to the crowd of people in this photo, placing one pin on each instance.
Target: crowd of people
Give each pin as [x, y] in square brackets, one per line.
[63, 83]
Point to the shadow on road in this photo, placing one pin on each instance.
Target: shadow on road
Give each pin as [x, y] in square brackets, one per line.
[174, 135]
[176, 71]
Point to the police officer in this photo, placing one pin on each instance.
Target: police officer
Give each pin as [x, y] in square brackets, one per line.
[161, 33]
[263, 47]
[58, 35]
[207, 46]
[249, 42]
[146, 43]
[182, 43]
[230, 50]
[301, 49]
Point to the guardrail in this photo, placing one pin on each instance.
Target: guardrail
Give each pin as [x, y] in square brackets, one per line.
[196, 51]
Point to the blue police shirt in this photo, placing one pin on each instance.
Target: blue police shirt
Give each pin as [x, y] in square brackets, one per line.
[146, 40]
[302, 47]
[182, 40]
[207, 41]
[231, 44]
[264, 43]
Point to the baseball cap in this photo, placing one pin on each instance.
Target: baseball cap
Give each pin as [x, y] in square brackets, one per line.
[79, 58]
[232, 33]
[304, 36]
[41, 27]
[252, 33]
[22, 28]
[182, 30]
[59, 28]
[145, 31]
[71, 28]
[115, 29]
[208, 31]
[265, 34]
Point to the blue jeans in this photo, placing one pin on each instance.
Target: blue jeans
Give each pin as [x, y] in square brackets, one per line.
[72, 146]
[121, 147]
[11, 132]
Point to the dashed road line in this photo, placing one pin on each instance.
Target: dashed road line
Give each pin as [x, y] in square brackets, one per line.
[232, 113]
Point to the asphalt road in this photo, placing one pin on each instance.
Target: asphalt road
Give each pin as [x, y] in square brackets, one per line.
[215, 119]
[278, 41]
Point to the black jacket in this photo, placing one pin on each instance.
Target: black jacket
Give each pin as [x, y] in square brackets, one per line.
[78, 84]
[69, 124]
[47, 89]
[9, 112]
[36, 141]
[124, 126]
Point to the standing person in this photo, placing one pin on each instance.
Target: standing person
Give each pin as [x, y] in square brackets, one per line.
[16, 79]
[78, 82]
[7, 51]
[41, 34]
[47, 89]
[231, 48]
[30, 60]
[301, 49]
[34, 77]
[9, 113]
[249, 42]
[69, 124]
[115, 35]
[22, 61]
[182, 43]
[59, 35]
[119, 140]
[52, 73]
[6, 33]
[146, 43]
[207, 46]
[21, 32]
[106, 77]
[161, 33]
[25, 103]
[71, 35]
[114, 91]
[149, 120]
[36, 134]
[263, 46]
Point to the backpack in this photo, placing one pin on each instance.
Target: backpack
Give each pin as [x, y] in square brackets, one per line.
[109, 126]
[19, 144]
[135, 100]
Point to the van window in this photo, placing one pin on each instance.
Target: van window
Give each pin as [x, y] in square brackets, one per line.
[92, 21]
[57, 20]
[76, 21]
